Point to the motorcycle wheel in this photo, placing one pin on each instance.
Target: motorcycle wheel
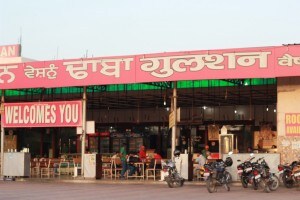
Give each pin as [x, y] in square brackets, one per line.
[254, 184]
[244, 181]
[228, 177]
[170, 182]
[210, 185]
[226, 186]
[180, 182]
[288, 183]
[274, 183]
[265, 186]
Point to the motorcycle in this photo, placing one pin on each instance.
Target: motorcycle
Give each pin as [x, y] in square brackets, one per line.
[216, 174]
[173, 178]
[263, 177]
[290, 174]
[244, 171]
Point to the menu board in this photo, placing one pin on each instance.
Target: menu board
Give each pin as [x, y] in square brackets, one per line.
[10, 143]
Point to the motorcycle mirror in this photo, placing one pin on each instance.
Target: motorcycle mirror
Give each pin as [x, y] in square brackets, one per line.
[251, 154]
[239, 160]
[230, 153]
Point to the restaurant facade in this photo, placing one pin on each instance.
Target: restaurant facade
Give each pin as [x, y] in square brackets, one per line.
[253, 92]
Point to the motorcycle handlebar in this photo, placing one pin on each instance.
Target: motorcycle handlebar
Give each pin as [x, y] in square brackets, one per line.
[260, 159]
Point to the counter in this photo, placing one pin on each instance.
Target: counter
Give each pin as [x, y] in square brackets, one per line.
[273, 160]
[16, 164]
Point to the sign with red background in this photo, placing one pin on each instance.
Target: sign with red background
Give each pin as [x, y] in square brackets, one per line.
[260, 62]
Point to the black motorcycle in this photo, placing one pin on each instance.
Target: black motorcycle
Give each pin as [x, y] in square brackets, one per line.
[263, 177]
[245, 172]
[173, 178]
[290, 174]
[216, 174]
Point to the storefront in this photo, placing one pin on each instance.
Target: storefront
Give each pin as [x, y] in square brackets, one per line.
[252, 91]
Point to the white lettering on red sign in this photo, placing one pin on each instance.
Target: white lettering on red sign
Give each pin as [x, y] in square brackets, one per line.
[33, 114]
[162, 67]
[42, 114]
[10, 51]
[68, 113]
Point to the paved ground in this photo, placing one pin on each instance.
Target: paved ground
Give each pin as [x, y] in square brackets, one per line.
[131, 190]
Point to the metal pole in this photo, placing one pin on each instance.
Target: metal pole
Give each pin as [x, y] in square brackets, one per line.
[174, 128]
[2, 137]
[83, 130]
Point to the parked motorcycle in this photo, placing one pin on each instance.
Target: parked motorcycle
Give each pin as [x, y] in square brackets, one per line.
[173, 178]
[216, 174]
[263, 177]
[290, 174]
[244, 171]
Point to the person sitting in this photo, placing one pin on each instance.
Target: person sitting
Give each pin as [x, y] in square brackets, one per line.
[206, 153]
[116, 155]
[142, 153]
[249, 150]
[132, 158]
[156, 157]
[199, 168]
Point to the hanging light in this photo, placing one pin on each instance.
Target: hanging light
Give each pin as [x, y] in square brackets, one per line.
[204, 107]
[235, 111]
[267, 109]
[275, 110]
[165, 103]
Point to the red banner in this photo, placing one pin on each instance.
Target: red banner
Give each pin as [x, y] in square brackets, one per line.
[43, 114]
[263, 62]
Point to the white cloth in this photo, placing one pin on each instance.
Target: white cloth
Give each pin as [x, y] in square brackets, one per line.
[201, 160]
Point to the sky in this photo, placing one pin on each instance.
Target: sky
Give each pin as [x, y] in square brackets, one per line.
[66, 29]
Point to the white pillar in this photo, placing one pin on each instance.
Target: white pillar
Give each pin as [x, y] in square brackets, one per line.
[83, 129]
[2, 138]
[174, 128]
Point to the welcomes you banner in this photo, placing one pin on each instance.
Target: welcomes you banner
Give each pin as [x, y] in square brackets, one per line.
[43, 114]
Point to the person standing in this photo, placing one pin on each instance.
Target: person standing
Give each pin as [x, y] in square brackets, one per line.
[123, 155]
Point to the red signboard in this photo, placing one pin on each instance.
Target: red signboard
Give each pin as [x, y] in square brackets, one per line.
[263, 62]
[104, 134]
[43, 114]
[10, 50]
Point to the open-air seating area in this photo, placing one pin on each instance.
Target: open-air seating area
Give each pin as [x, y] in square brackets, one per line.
[111, 168]
[51, 167]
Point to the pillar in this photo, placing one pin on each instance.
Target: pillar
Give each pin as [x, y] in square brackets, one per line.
[288, 118]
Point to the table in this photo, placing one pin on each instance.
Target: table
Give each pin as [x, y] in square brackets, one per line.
[139, 165]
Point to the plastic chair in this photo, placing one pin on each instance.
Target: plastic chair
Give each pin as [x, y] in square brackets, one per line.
[153, 169]
[116, 169]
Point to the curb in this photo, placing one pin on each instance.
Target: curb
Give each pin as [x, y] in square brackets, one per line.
[111, 182]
